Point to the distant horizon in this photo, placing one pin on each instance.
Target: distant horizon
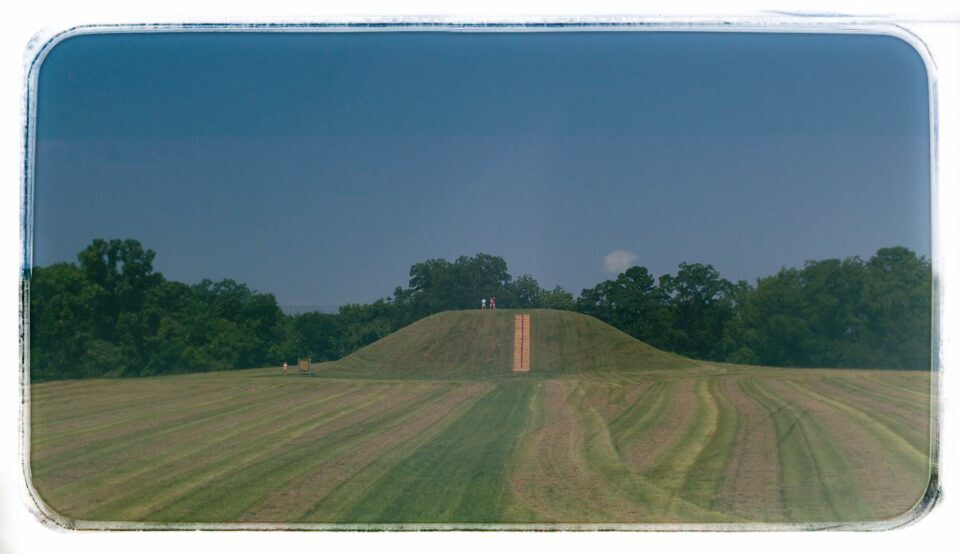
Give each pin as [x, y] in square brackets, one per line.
[320, 167]
[307, 307]
[295, 309]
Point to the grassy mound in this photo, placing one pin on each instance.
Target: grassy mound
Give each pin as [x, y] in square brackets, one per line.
[474, 343]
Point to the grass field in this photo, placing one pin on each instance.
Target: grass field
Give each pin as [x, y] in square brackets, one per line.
[430, 425]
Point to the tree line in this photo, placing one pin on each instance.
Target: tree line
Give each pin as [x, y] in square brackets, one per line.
[110, 314]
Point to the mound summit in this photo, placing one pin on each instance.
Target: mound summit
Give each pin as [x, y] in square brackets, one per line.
[479, 343]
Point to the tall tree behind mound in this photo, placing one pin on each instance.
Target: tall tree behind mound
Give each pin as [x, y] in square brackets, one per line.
[437, 284]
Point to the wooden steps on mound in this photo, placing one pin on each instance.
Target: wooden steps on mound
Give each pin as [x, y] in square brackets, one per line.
[521, 342]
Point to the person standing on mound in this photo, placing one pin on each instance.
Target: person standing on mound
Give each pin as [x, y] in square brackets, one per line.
[483, 303]
[493, 303]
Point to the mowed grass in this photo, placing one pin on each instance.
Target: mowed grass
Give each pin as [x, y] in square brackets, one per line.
[480, 344]
[631, 435]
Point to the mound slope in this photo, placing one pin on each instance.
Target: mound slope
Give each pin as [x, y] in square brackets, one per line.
[473, 343]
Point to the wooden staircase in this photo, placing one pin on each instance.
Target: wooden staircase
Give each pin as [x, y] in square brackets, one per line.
[521, 342]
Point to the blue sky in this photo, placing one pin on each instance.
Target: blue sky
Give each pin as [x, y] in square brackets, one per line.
[320, 167]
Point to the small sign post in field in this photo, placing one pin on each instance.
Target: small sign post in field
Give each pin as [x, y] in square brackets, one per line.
[305, 368]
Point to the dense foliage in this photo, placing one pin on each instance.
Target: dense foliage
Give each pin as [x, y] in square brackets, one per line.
[831, 313]
[111, 314]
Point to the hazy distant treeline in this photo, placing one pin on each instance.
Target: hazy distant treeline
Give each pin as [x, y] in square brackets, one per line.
[111, 314]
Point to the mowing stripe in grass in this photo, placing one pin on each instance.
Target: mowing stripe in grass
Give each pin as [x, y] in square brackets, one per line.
[111, 446]
[160, 411]
[460, 476]
[219, 492]
[704, 479]
[910, 455]
[389, 448]
[641, 439]
[113, 399]
[99, 395]
[147, 410]
[751, 481]
[620, 397]
[207, 471]
[157, 419]
[651, 502]
[640, 416]
[647, 443]
[62, 417]
[551, 479]
[132, 467]
[875, 453]
[809, 456]
[923, 393]
[291, 472]
[604, 446]
[672, 468]
[888, 397]
[798, 481]
[162, 465]
[912, 424]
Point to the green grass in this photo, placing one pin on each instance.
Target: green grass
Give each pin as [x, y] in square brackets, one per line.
[475, 343]
[460, 476]
[430, 425]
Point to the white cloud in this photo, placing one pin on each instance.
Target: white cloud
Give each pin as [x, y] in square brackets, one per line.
[618, 261]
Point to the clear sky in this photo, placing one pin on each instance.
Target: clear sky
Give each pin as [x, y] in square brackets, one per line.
[320, 167]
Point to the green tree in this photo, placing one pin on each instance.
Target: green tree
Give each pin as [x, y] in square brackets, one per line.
[632, 303]
[771, 326]
[364, 324]
[524, 292]
[124, 270]
[315, 335]
[700, 303]
[112, 315]
[556, 299]
[838, 313]
[437, 285]
[239, 325]
[61, 321]
[897, 309]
